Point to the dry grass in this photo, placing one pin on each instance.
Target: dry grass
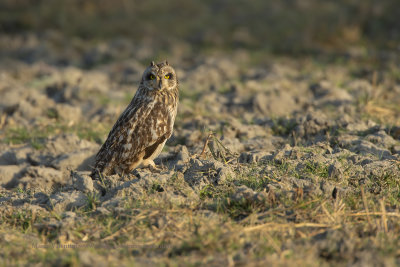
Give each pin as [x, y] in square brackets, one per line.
[197, 232]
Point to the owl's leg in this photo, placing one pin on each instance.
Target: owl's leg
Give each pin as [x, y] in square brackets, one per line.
[136, 162]
[151, 153]
[148, 163]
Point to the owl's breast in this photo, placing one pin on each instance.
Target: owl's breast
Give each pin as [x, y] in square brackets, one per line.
[160, 120]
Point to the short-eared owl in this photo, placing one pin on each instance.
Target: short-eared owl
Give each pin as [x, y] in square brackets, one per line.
[141, 131]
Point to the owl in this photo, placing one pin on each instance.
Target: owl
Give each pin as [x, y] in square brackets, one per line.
[141, 131]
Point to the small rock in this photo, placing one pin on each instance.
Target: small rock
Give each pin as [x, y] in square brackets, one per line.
[335, 171]
[28, 111]
[40, 198]
[88, 258]
[365, 147]
[243, 193]
[183, 154]
[224, 174]
[9, 100]
[282, 154]
[63, 152]
[39, 171]
[312, 124]
[202, 172]
[15, 156]
[252, 157]
[277, 102]
[358, 126]
[41, 178]
[82, 182]
[68, 218]
[112, 203]
[326, 93]
[68, 214]
[260, 196]
[365, 162]
[8, 173]
[326, 188]
[102, 211]
[7, 158]
[381, 168]
[396, 150]
[230, 145]
[381, 138]
[67, 200]
[68, 113]
[181, 159]
[72, 160]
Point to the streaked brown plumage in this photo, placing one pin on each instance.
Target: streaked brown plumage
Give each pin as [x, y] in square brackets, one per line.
[141, 131]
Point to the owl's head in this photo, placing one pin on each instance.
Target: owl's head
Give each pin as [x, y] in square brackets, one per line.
[159, 76]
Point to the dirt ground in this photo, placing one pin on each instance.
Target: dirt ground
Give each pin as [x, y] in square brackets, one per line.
[273, 160]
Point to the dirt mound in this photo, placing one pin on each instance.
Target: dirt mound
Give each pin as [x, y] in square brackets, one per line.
[280, 163]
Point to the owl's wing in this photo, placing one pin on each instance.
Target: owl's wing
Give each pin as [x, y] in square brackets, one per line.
[133, 133]
[149, 128]
[120, 135]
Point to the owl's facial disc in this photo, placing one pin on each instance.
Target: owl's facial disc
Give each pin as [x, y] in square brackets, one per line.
[159, 77]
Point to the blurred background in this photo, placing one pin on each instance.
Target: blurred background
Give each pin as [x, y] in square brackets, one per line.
[360, 28]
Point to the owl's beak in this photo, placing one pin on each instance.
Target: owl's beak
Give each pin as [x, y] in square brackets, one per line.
[160, 85]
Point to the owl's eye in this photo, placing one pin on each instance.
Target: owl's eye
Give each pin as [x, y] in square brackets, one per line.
[167, 76]
[152, 77]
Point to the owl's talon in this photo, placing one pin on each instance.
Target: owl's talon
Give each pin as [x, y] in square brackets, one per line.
[154, 168]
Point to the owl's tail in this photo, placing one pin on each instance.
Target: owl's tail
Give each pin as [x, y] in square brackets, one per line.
[100, 169]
